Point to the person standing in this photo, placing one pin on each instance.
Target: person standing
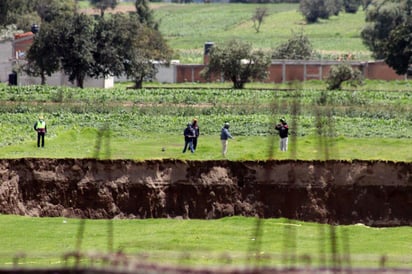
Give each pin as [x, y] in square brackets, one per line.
[189, 134]
[195, 127]
[224, 137]
[283, 130]
[41, 128]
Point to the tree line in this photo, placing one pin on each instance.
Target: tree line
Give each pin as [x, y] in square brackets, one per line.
[128, 44]
[386, 33]
[90, 46]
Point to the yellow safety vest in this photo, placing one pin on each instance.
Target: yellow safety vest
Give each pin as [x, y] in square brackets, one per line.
[41, 124]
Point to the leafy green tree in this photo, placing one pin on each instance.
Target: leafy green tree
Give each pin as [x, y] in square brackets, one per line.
[76, 47]
[110, 33]
[352, 6]
[383, 16]
[42, 56]
[4, 9]
[298, 47]
[365, 3]
[258, 16]
[103, 5]
[398, 50]
[341, 73]
[17, 12]
[238, 62]
[24, 13]
[125, 46]
[146, 47]
[313, 10]
[145, 14]
[48, 10]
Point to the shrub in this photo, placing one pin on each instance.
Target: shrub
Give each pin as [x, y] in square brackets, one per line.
[343, 73]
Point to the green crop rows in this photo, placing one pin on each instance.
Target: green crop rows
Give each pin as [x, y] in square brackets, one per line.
[251, 112]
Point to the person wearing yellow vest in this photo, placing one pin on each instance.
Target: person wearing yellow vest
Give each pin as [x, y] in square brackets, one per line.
[40, 127]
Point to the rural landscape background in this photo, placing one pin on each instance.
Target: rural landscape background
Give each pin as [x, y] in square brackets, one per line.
[372, 122]
[187, 27]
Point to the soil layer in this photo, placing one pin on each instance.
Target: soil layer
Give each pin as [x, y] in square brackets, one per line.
[374, 193]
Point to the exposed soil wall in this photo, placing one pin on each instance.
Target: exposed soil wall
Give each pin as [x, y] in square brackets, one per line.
[371, 192]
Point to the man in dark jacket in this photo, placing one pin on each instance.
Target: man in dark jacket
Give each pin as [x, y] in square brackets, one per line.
[224, 136]
[195, 127]
[283, 134]
[189, 134]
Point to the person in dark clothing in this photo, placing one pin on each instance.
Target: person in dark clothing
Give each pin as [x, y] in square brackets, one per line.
[195, 127]
[283, 130]
[189, 134]
[41, 128]
[224, 136]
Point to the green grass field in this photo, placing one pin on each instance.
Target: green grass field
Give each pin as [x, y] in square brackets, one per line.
[228, 241]
[82, 144]
[355, 124]
[369, 123]
[187, 27]
[372, 122]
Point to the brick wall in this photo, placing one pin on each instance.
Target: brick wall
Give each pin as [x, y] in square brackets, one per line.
[296, 70]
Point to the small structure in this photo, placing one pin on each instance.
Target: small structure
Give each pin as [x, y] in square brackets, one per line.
[20, 46]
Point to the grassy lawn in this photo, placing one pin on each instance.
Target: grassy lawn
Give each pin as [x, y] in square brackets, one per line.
[230, 241]
[83, 144]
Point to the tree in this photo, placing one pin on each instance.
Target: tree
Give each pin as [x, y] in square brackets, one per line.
[313, 10]
[109, 35]
[103, 5]
[398, 51]
[145, 14]
[18, 12]
[238, 62]
[257, 18]
[365, 3]
[24, 13]
[352, 6]
[341, 73]
[42, 57]
[145, 48]
[298, 47]
[76, 47]
[48, 10]
[383, 16]
[125, 46]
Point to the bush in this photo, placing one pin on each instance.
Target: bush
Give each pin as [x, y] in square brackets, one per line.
[298, 47]
[341, 73]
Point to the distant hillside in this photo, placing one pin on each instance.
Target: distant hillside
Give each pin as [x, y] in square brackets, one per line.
[188, 26]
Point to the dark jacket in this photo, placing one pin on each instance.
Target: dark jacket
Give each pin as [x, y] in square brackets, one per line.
[225, 134]
[189, 133]
[283, 130]
[196, 129]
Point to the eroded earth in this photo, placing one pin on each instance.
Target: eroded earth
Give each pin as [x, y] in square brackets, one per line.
[375, 193]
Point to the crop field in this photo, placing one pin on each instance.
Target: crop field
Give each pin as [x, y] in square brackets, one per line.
[153, 118]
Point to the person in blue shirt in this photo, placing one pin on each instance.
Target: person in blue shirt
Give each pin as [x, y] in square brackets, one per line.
[224, 136]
